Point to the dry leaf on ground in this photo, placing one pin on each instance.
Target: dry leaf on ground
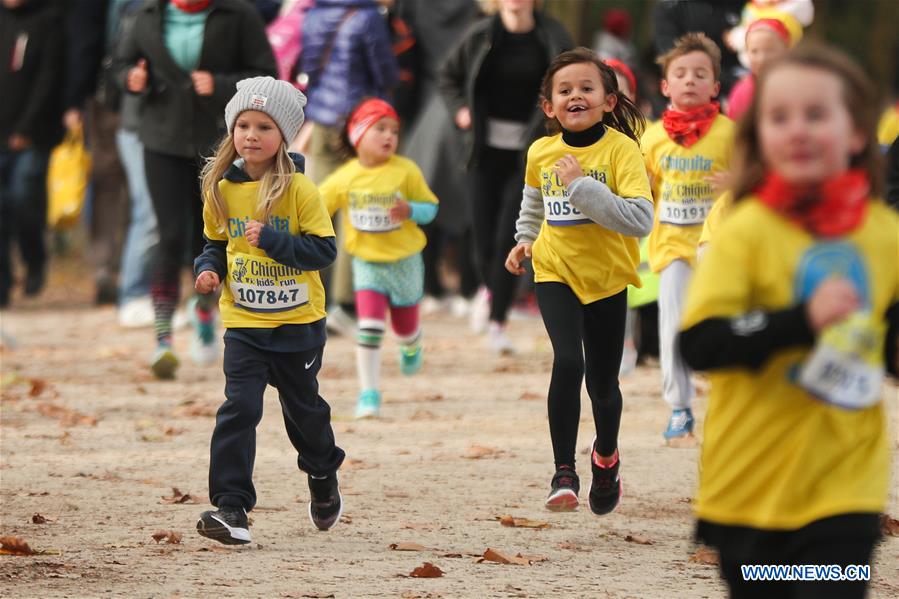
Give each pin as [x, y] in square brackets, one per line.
[522, 522]
[171, 537]
[37, 387]
[496, 557]
[40, 519]
[889, 525]
[530, 396]
[15, 546]
[407, 547]
[638, 539]
[477, 452]
[706, 556]
[179, 497]
[65, 416]
[426, 570]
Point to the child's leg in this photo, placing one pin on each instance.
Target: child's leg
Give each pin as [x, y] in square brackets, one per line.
[371, 308]
[404, 320]
[604, 325]
[563, 316]
[307, 417]
[677, 389]
[844, 540]
[234, 438]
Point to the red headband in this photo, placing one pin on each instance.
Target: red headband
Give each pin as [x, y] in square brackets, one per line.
[619, 67]
[367, 114]
[775, 25]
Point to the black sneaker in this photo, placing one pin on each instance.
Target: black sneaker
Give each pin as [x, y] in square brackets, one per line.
[605, 491]
[325, 504]
[565, 487]
[226, 525]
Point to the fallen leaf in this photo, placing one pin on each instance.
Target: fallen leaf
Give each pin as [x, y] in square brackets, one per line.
[354, 464]
[522, 522]
[179, 497]
[426, 570]
[171, 537]
[434, 397]
[39, 519]
[530, 396]
[37, 387]
[65, 416]
[572, 547]
[407, 547]
[15, 546]
[193, 409]
[639, 540]
[704, 555]
[495, 556]
[889, 525]
[477, 452]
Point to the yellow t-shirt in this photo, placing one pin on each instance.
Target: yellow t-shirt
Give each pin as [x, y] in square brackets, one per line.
[774, 457]
[368, 194]
[259, 292]
[594, 261]
[888, 127]
[713, 221]
[683, 197]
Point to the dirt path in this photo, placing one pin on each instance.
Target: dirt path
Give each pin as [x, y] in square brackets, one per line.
[460, 445]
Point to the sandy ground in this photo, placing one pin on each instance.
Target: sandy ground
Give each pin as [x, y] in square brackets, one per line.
[460, 445]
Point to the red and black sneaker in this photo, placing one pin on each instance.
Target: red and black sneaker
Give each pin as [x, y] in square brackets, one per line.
[565, 487]
[605, 491]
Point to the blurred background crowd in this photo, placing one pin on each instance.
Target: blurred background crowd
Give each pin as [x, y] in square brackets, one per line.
[109, 107]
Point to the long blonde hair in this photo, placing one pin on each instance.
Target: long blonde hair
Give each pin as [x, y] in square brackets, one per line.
[272, 185]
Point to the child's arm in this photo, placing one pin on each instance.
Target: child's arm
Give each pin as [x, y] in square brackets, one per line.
[421, 213]
[530, 217]
[214, 258]
[628, 216]
[303, 251]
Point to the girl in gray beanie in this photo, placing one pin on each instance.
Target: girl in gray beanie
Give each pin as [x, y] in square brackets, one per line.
[267, 236]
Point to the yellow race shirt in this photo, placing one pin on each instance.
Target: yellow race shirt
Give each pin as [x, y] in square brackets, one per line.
[682, 195]
[713, 221]
[259, 292]
[773, 456]
[888, 126]
[368, 194]
[594, 261]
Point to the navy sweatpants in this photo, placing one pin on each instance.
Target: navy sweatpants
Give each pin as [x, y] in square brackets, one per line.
[307, 417]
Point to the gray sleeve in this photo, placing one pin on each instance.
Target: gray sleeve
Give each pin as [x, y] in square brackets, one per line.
[628, 216]
[527, 227]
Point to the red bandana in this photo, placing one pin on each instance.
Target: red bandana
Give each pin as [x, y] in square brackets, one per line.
[367, 114]
[835, 208]
[686, 128]
[191, 7]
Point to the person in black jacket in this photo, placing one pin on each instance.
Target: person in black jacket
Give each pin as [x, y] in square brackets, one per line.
[184, 58]
[490, 82]
[30, 125]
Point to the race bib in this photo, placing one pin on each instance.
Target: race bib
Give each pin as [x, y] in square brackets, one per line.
[370, 212]
[685, 204]
[556, 206]
[846, 366]
[259, 284]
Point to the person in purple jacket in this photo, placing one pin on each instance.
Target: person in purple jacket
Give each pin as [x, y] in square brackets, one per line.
[347, 56]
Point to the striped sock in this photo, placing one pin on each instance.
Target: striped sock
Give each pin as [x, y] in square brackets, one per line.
[165, 298]
[368, 353]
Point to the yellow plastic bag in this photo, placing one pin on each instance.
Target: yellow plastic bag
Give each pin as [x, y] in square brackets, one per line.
[68, 175]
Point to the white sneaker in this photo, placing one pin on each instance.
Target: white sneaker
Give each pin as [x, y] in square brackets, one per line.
[480, 311]
[497, 340]
[341, 323]
[459, 306]
[432, 305]
[137, 313]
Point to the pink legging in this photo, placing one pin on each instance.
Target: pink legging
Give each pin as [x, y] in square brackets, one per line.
[371, 305]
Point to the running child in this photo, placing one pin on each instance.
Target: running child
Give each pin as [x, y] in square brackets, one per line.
[267, 236]
[386, 200]
[586, 203]
[794, 311]
[686, 151]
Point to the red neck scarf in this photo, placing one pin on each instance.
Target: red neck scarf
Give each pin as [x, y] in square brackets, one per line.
[832, 209]
[184, 6]
[686, 128]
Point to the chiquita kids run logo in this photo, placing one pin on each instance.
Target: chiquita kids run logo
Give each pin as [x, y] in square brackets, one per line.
[260, 284]
[239, 271]
[558, 208]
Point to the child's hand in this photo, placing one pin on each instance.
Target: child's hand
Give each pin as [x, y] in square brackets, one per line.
[833, 300]
[400, 211]
[568, 169]
[17, 142]
[204, 84]
[516, 257]
[137, 77]
[463, 118]
[207, 282]
[719, 181]
[252, 231]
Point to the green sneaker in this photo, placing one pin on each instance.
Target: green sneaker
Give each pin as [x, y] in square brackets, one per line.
[369, 404]
[164, 363]
[410, 360]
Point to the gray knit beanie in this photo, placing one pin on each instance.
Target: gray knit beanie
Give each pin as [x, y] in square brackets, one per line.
[278, 99]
